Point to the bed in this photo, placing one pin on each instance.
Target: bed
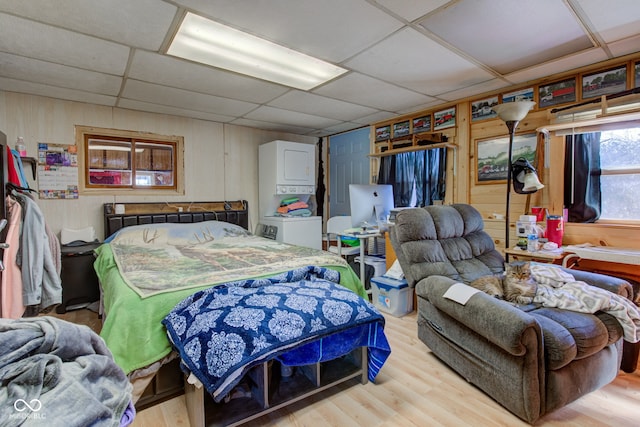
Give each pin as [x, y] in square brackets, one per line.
[136, 301]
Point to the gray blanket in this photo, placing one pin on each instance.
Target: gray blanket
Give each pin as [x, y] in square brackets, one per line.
[557, 288]
[57, 373]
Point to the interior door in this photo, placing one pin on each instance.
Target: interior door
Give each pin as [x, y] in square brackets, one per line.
[348, 164]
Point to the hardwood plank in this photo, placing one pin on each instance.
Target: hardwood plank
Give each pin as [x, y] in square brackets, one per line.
[414, 388]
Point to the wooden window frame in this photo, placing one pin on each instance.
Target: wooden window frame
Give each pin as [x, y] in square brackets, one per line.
[84, 133]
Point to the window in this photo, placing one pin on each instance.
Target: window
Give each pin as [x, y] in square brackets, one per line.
[620, 174]
[418, 178]
[113, 161]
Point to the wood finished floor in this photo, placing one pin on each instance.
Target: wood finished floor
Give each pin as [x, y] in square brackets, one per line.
[414, 389]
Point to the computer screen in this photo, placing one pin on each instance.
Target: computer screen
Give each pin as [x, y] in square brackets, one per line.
[370, 203]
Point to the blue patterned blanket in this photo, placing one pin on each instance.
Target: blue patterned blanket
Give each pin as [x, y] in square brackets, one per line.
[300, 317]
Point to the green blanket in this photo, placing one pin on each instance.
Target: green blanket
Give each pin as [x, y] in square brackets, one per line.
[132, 327]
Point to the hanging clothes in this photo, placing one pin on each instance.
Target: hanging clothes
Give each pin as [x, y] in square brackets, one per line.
[17, 160]
[12, 173]
[12, 303]
[41, 284]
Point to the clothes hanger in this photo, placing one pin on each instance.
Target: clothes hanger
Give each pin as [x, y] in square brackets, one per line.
[13, 187]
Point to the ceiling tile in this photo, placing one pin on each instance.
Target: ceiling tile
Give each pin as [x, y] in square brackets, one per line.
[35, 40]
[527, 33]
[309, 103]
[272, 126]
[365, 90]
[333, 30]
[377, 117]
[106, 53]
[341, 127]
[116, 20]
[33, 70]
[625, 46]
[13, 85]
[416, 108]
[615, 20]
[581, 59]
[179, 98]
[164, 109]
[411, 9]
[421, 64]
[470, 91]
[277, 115]
[170, 71]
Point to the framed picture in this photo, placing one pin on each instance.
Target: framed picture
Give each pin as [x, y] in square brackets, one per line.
[383, 133]
[604, 82]
[481, 110]
[637, 74]
[518, 95]
[557, 93]
[491, 156]
[401, 129]
[422, 124]
[445, 118]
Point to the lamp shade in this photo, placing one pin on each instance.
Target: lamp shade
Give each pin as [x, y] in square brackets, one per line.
[531, 183]
[513, 111]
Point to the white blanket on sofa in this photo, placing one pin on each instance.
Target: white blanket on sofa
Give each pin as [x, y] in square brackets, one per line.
[557, 288]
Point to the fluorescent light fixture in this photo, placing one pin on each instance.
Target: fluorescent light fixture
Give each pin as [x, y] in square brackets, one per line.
[114, 148]
[208, 42]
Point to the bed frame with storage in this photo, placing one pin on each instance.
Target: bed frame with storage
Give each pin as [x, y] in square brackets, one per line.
[269, 389]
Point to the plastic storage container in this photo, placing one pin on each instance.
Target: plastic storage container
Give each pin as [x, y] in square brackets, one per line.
[379, 264]
[392, 296]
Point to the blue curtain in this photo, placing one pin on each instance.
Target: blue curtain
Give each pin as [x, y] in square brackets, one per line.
[423, 171]
[582, 196]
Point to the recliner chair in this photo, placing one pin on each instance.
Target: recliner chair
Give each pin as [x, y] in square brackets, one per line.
[530, 359]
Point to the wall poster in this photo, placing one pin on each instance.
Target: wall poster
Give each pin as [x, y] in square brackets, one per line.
[57, 171]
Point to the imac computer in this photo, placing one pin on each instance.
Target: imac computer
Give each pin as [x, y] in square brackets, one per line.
[370, 204]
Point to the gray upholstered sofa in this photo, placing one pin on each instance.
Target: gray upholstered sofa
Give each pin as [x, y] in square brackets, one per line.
[530, 359]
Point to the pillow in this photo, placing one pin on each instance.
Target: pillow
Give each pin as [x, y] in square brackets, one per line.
[177, 233]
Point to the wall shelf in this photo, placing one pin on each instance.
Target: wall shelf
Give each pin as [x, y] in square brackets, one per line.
[34, 164]
[413, 148]
[409, 143]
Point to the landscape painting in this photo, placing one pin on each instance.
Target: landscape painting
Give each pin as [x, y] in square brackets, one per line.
[491, 155]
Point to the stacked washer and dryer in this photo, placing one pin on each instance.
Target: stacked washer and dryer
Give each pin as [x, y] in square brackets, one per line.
[287, 169]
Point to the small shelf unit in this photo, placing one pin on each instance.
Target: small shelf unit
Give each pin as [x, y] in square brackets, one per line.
[271, 391]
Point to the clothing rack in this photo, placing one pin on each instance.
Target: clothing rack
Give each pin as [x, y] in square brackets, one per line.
[34, 286]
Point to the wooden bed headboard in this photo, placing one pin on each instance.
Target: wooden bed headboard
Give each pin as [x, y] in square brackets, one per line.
[235, 212]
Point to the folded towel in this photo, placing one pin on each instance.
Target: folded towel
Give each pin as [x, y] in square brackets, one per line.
[297, 205]
[288, 201]
[300, 212]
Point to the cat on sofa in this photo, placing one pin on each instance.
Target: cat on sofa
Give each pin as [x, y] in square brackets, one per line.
[516, 284]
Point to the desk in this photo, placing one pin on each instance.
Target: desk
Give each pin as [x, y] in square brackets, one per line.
[363, 237]
[539, 256]
[619, 262]
[604, 253]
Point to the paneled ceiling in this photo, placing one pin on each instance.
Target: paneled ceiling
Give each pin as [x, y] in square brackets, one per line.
[402, 55]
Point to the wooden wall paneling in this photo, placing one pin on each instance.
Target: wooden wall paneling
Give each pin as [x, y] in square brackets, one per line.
[460, 173]
[554, 185]
[620, 235]
[495, 229]
[162, 159]
[143, 160]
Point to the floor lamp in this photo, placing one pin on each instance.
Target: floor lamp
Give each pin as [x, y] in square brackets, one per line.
[511, 113]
